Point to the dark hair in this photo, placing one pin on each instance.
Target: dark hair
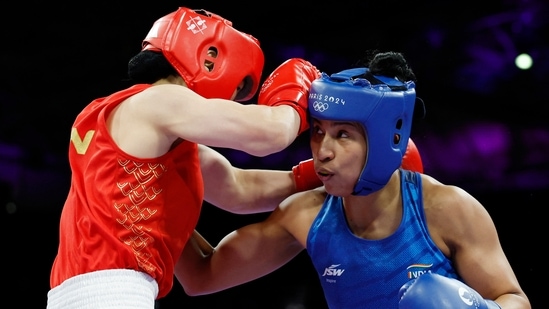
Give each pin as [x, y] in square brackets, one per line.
[148, 67]
[391, 64]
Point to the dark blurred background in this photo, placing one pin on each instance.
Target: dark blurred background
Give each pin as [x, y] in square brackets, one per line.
[486, 128]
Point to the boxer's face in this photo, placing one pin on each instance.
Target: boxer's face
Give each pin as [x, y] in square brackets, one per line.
[240, 86]
[209, 65]
[339, 152]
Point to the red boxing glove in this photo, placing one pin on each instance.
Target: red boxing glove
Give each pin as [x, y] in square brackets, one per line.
[411, 159]
[305, 176]
[289, 85]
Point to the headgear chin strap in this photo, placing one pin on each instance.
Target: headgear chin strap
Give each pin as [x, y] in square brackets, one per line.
[383, 105]
[184, 38]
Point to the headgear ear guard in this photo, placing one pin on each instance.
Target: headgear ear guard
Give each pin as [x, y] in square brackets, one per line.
[185, 36]
[383, 105]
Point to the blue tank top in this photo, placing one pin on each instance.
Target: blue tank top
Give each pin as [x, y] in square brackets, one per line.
[361, 273]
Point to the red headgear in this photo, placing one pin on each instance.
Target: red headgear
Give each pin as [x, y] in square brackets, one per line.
[185, 36]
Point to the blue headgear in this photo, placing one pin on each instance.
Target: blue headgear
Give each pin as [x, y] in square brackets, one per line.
[383, 105]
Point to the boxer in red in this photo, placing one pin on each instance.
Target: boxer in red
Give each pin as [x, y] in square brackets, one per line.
[142, 162]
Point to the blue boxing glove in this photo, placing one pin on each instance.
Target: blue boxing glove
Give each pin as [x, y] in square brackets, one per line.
[433, 291]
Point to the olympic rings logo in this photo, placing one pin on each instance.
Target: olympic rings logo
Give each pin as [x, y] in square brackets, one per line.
[320, 106]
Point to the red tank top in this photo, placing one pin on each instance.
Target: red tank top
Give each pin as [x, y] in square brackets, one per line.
[123, 212]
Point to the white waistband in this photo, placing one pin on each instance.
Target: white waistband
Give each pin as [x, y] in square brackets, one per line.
[113, 288]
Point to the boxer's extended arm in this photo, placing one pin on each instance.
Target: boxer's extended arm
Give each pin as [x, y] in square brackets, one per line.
[242, 256]
[249, 191]
[178, 112]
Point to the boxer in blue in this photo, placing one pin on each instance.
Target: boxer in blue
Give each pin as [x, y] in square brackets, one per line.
[379, 236]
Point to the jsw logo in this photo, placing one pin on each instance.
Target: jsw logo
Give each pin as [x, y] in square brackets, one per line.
[333, 271]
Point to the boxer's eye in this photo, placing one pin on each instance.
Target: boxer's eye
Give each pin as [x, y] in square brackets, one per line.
[212, 53]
